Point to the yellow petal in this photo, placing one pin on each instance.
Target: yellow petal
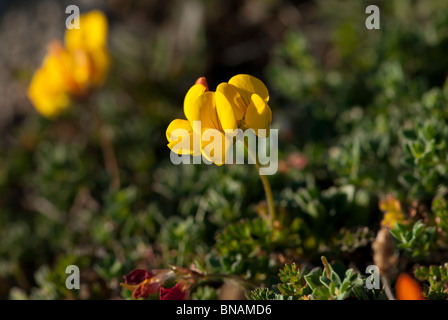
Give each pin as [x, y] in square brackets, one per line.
[225, 112]
[191, 109]
[82, 69]
[180, 137]
[247, 85]
[48, 91]
[48, 104]
[91, 35]
[207, 111]
[87, 46]
[58, 65]
[214, 145]
[100, 61]
[258, 114]
[226, 94]
[390, 203]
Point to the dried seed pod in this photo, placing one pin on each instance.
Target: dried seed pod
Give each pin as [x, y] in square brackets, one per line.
[384, 253]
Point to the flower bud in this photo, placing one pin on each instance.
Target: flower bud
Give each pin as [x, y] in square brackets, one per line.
[203, 81]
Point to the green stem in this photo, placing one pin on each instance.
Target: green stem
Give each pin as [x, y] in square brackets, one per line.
[387, 289]
[266, 186]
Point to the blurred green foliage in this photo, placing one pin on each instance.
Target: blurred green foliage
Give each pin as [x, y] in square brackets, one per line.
[366, 109]
[416, 240]
[437, 276]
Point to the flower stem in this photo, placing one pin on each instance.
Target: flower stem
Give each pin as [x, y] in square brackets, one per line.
[387, 289]
[110, 158]
[107, 148]
[266, 186]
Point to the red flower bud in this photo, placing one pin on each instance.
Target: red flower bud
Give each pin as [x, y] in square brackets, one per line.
[145, 289]
[178, 292]
[202, 81]
[137, 276]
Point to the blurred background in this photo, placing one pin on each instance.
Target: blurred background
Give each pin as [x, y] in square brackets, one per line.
[341, 96]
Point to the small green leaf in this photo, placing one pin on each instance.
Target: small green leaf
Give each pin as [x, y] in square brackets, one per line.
[313, 281]
[325, 281]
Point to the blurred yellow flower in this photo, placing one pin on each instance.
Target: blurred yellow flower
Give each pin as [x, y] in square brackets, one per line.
[392, 212]
[73, 70]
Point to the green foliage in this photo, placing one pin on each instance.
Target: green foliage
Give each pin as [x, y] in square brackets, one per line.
[249, 247]
[387, 116]
[205, 292]
[416, 240]
[318, 284]
[294, 68]
[325, 212]
[349, 241]
[426, 152]
[437, 276]
[263, 294]
[293, 284]
[440, 209]
[328, 285]
[367, 111]
[244, 237]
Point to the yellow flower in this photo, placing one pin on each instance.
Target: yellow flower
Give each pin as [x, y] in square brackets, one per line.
[214, 117]
[51, 86]
[392, 212]
[248, 98]
[204, 124]
[88, 46]
[73, 70]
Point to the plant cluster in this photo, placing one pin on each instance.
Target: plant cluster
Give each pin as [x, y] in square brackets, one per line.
[363, 152]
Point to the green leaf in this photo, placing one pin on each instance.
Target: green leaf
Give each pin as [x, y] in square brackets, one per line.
[261, 294]
[410, 134]
[325, 281]
[313, 281]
